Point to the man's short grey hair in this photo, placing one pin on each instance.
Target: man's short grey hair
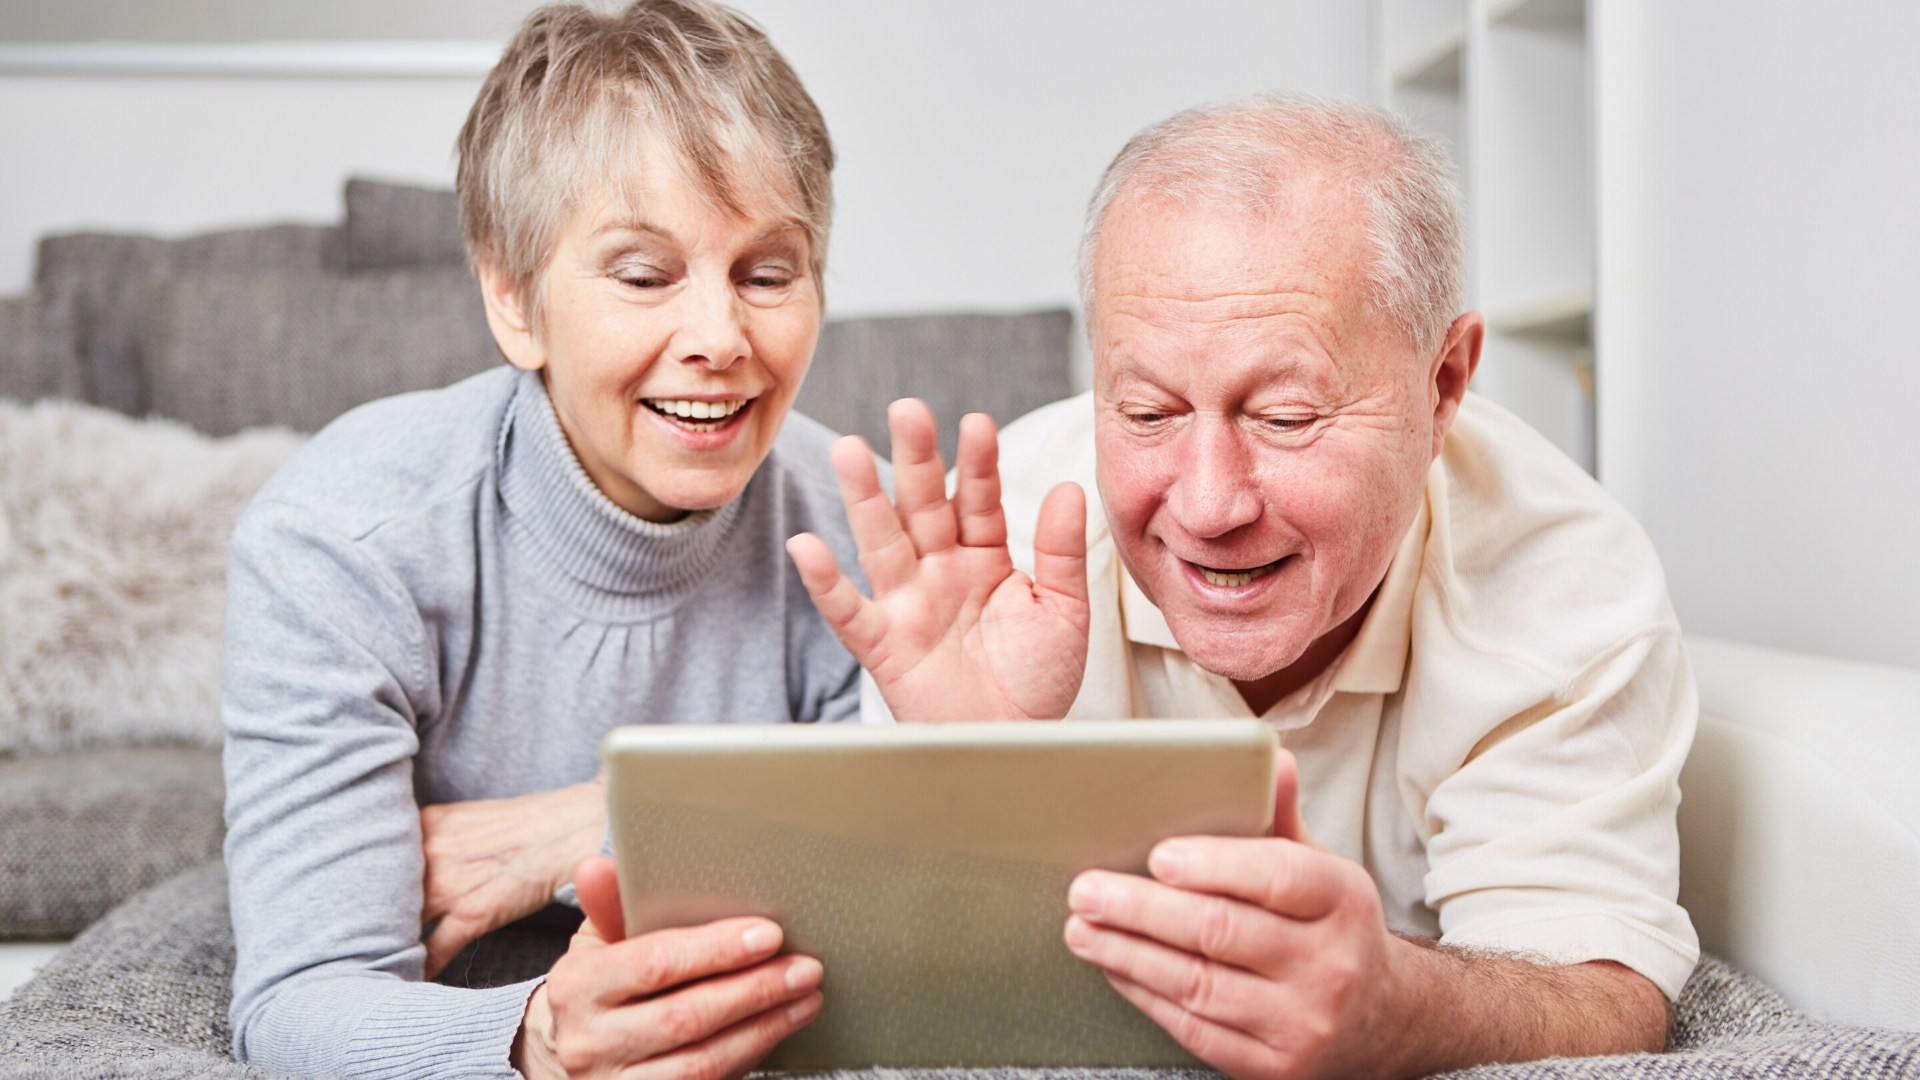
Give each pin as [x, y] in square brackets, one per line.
[1246, 152]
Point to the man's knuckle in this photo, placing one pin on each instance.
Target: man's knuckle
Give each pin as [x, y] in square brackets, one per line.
[1217, 930]
[1199, 988]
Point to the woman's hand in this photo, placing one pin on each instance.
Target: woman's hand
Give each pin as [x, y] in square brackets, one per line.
[953, 631]
[701, 1003]
[491, 861]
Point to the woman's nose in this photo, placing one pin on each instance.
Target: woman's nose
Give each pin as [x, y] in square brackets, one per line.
[712, 329]
[1216, 491]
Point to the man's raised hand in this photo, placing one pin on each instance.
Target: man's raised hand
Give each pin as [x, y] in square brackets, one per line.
[953, 631]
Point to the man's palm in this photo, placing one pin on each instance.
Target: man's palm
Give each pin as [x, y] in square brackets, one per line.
[953, 631]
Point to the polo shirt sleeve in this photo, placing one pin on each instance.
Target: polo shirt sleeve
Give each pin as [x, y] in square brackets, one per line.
[1555, 836]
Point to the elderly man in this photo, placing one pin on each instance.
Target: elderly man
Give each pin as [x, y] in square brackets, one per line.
[1302, 515]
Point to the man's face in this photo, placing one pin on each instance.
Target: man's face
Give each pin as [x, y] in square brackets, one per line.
[1263, 435]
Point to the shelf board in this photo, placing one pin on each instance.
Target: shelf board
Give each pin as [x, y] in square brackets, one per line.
[1434, 67]
[1562, 15]
[1559, 315]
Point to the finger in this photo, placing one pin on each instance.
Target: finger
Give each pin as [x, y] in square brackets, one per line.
[919, 477]
[661, 960]
[451, 934]
[1060, 550]
[596, 884]
[1233, 1052]
[731, 1053]
[886, 552]
[1220, 928]
[694, 1013]
[858, 622]
[1282, 876]
[976, 496]
[1206, 988]
[1287, 822]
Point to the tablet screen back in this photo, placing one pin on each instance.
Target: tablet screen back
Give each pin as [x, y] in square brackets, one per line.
[927, 867]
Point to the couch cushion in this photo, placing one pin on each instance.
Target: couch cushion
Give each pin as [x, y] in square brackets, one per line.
[1003, 365]
[38, 358]
[394, 225]
[226, 351]
[109, 281]
[1800, 827]
[81, 832]
[113, 552]
[149, 984]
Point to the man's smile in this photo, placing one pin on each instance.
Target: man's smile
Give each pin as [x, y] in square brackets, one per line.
[1234, 579]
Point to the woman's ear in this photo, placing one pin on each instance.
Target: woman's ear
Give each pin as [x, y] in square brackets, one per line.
[510, 318]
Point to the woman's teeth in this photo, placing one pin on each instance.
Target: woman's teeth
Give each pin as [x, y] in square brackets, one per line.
[696, 415]
[1233, 579]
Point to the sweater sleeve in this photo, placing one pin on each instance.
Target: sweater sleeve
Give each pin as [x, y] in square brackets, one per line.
[328, 671]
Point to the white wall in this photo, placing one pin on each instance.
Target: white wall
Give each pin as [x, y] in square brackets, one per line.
[969, 135]
[1781, 475]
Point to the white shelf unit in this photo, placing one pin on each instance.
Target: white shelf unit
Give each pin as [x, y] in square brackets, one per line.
[1507, 84]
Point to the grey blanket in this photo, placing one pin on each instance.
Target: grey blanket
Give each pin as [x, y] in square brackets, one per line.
[142, 995]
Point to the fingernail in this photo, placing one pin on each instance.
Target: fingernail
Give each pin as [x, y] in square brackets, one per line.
[1167, 861]
[761, 938]
[1086, 895]
[1077, 931]
[804, 971]
[801, 1011]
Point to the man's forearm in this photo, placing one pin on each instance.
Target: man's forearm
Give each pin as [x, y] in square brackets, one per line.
[1469, 1009]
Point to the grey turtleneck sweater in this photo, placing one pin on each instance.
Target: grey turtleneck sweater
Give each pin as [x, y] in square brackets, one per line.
[431, 603]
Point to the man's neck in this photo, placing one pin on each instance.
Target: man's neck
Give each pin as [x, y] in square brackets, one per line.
[1261, 694]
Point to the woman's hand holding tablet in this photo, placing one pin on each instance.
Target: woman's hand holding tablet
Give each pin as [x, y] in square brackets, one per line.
[700, 1001]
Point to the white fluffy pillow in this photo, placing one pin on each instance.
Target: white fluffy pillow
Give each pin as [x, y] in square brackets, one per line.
[113, 562]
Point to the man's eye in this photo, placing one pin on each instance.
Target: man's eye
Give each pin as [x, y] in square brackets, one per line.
[1287, 423]
[1148, 419]
[644, 281]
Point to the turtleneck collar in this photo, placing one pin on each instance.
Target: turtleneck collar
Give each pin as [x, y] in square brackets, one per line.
[607, 562]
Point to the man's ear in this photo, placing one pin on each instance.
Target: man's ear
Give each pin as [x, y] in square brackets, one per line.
[509, 316]
[1452, 370]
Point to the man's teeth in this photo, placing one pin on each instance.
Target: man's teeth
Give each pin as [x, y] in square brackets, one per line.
[1233, 579]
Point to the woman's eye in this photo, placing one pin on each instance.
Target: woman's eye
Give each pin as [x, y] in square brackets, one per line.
[644, 280]
[768, 279]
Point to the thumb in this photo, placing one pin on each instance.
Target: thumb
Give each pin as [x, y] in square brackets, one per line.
[1287, 822]
[597, 885]
[1060, 546]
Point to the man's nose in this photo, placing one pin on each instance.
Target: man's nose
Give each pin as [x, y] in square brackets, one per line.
[712, 330]
[1216, 491]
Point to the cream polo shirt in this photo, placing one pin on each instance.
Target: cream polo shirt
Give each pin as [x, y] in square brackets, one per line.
[1500, 746]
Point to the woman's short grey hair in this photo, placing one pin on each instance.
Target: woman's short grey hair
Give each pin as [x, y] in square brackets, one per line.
[582, 102]
[1244, 152]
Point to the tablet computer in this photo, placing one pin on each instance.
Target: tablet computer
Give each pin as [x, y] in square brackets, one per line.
[927, 867]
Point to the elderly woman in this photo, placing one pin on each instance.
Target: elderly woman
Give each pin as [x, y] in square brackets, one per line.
[451, 596]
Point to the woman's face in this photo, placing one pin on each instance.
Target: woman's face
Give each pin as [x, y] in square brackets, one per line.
[673, 337]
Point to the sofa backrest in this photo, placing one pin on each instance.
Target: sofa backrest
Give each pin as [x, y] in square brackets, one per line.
[1800, 828]
[292, 325]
